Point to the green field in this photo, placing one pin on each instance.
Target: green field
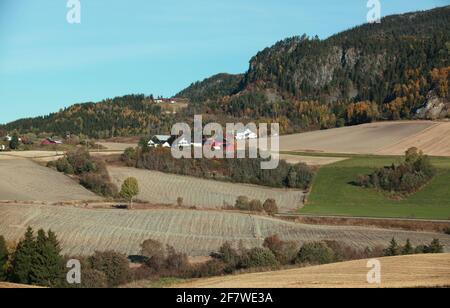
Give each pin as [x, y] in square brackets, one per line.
[333, 193]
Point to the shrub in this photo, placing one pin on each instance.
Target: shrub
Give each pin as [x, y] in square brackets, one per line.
[176, 262]
[180, 201]
[154, 253]
[259, 257]
[114, 265]
[315, 253]
[285, 252]
[256, 206]
[99, 184]
[242, 203]
[208, 269]
[129, 157]
[270, 206]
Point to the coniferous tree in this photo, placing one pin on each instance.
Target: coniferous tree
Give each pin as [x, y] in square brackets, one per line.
[47, 267]
[408, 249]
[23, 257]
[393, 249]
[3, 258]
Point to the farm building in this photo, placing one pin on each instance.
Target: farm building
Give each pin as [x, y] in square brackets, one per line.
[50, 141]
[164, 141]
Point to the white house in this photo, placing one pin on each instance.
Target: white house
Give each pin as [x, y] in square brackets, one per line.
[2, 147]
[160, 141]
[8, 138]
[183, 143]
[246, 134]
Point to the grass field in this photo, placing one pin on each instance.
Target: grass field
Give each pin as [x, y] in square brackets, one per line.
[396, 272]
[333, 193]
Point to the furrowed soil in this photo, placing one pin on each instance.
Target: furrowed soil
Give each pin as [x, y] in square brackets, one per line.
[197, 233]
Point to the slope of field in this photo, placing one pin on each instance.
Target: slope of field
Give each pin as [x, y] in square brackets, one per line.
[396, 272]
[162, 188]
[433, 141]
[23, 180]
[197, 233]
[7, 285]
[334, 194]
[361, 139]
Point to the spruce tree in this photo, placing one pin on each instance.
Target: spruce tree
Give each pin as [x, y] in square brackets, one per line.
[3, 258]
[408, 249]
[23, 258]
[47, 267]
[393, 249]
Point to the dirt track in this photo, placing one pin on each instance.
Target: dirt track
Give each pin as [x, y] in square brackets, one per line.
[197, 233]
[23, 180]
[375, 138]
[396, 272]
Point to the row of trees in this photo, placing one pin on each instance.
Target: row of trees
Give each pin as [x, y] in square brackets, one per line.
[234, 170]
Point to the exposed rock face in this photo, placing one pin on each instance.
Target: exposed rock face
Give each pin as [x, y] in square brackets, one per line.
[435, 108]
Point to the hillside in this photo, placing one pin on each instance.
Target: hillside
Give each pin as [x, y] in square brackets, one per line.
[212, 88]
[396, 272]
[398, 69]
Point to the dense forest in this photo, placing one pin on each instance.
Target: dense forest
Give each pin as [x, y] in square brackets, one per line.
[398, 69]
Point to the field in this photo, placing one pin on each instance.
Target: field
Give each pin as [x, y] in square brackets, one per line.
[396, 272]
[162, 188]
[387, 138]
[333, 193]
[23, 180]
[197, 233]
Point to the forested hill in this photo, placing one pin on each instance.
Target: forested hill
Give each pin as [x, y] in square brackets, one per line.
[398, 69]
[364, 63]
[212, 88]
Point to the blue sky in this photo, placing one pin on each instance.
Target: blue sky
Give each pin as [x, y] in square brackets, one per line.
[149, 46]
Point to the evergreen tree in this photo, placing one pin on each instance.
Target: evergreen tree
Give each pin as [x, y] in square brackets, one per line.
[393, 249]
[408, 249]
[14, 143]
[23, 259]
[434, 247]
[3, 258]
[47, 267]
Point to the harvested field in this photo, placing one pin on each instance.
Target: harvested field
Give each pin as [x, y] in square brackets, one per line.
[310, 160]
[115, 146]
[433, 141]
[161, 188]
[396, 272]
[361, 139]
[197, 233]
[23, 180]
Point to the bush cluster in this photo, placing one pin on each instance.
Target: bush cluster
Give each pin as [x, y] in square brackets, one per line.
[91, 172]
[243, 203]
[405, 178]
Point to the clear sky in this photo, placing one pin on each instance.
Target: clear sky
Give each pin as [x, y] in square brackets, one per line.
[149, 46]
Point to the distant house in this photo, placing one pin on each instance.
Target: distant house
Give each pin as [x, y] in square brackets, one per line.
[246, 134]
[8, 138]
[164, 141]
[50, 141]
[2, 147]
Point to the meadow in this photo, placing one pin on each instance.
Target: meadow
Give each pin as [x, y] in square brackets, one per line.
[333, 192]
